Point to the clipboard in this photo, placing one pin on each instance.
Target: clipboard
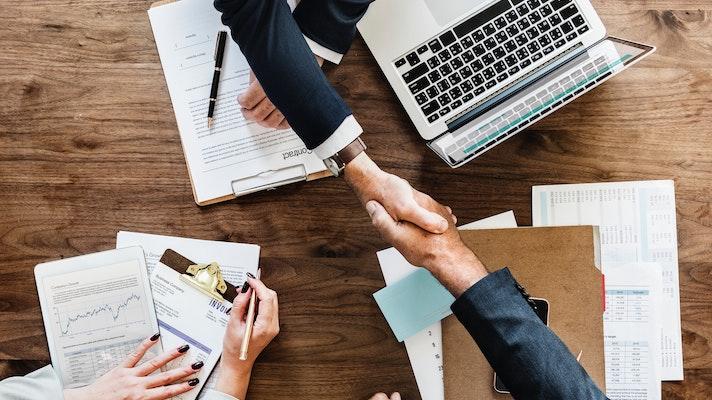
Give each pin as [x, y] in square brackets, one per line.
[197, 317]
[265, 180]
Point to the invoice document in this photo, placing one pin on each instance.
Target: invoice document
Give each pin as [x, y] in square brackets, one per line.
[637, 224]
[631, 330]
[235, 156]
[425, 347]
[187, 316]
[235, 260]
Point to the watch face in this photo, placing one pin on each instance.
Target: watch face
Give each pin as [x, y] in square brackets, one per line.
[332, 166]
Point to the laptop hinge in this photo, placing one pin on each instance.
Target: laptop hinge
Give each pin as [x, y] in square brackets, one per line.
[522, 83]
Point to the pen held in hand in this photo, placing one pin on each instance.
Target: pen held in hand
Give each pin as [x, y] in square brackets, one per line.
[219, 52]
[249, 323]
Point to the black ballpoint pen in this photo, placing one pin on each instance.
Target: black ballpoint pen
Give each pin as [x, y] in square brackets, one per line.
[219, 51]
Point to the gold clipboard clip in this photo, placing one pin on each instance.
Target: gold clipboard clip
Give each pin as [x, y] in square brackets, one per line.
[207, 278]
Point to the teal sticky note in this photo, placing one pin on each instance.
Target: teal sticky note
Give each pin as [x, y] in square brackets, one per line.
[414, 303]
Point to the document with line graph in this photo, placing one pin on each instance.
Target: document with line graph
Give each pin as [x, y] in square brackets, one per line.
[96, 308]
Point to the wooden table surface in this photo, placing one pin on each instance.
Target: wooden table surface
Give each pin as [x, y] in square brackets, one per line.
[89, 146]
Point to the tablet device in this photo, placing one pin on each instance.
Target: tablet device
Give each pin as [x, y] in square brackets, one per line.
[96, 309]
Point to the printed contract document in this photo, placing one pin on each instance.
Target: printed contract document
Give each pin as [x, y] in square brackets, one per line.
[235, 156]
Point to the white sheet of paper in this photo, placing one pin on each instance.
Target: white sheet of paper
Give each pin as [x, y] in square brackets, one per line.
[235, 259]
[234, 155]
[631, 327]
[637, 224]
[425, 347]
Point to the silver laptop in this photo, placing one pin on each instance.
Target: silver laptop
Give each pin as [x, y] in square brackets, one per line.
[472, 73]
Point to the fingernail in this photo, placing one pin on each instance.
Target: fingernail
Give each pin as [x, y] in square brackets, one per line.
[370, 208]
[251, 276]
[396, 396]
[193, 382]
[155, 337]
[197, 365]
[184, 348]
[245, 286]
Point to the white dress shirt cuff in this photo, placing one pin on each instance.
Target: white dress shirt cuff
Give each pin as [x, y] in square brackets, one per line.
[215, 395]
[346, 133]
[323, 52]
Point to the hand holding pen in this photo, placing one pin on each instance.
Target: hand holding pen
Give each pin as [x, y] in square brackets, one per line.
[265, 328]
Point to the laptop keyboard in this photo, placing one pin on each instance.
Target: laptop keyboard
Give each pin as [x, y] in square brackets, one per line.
[529, 109]
[486, 49]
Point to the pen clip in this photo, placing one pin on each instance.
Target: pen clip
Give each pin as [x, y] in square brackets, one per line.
[217, 44]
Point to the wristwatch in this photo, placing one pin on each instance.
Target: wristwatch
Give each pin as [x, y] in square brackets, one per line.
[338, 161]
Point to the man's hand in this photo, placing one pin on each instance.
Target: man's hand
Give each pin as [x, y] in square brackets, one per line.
[402, 202]
[257, 107]
[444, 255]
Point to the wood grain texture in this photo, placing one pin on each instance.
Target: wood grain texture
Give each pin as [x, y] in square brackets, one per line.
[89, 146]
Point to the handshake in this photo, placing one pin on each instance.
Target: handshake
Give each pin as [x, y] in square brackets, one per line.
[422, 229]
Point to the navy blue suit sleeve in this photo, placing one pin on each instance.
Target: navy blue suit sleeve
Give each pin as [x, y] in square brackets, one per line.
[530, 359]
[331, 23]
[285, 66]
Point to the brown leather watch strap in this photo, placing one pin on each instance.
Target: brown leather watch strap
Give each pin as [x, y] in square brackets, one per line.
[353, 149]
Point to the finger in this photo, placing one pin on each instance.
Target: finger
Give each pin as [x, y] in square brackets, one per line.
[424, 218]
[382, 221]
[239, 305]
[379, 396]
[396, 396]
[283, 125]
[268, 310]
[140, 351]
[173, 376]
[260, 112]
[166, 392]
[252, 96]
[157, 362]
[448, 209]
[274, 119]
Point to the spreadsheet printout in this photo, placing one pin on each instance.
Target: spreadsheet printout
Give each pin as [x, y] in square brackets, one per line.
[637, 223]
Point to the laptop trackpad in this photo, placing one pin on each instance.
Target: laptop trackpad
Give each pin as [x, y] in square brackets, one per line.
[446, 11]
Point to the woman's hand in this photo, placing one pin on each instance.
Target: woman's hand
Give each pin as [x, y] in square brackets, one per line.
[383, 396]
[130, 381]
[235, 373]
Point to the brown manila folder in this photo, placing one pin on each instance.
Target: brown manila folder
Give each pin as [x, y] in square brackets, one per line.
[558, 264]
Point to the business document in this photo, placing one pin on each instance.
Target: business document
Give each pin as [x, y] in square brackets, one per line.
[235, 155]
[425, 347]
[235, 259]
[631, 330]
[98, 317]
[637, 224]
[187, 316]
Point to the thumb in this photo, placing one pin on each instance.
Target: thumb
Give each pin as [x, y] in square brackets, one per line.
[381, 220]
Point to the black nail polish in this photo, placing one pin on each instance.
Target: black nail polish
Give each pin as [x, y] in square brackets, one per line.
[155, 337]
[245, 286]
[197, 365]
[251, 276]
[184, 348]
[193, 382]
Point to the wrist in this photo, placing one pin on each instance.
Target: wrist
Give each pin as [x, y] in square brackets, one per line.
[234, 379]
[458, 269]
[362, 174]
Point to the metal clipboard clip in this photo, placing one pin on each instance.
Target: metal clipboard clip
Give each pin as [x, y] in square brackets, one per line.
[207, 278]
[269, 179]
